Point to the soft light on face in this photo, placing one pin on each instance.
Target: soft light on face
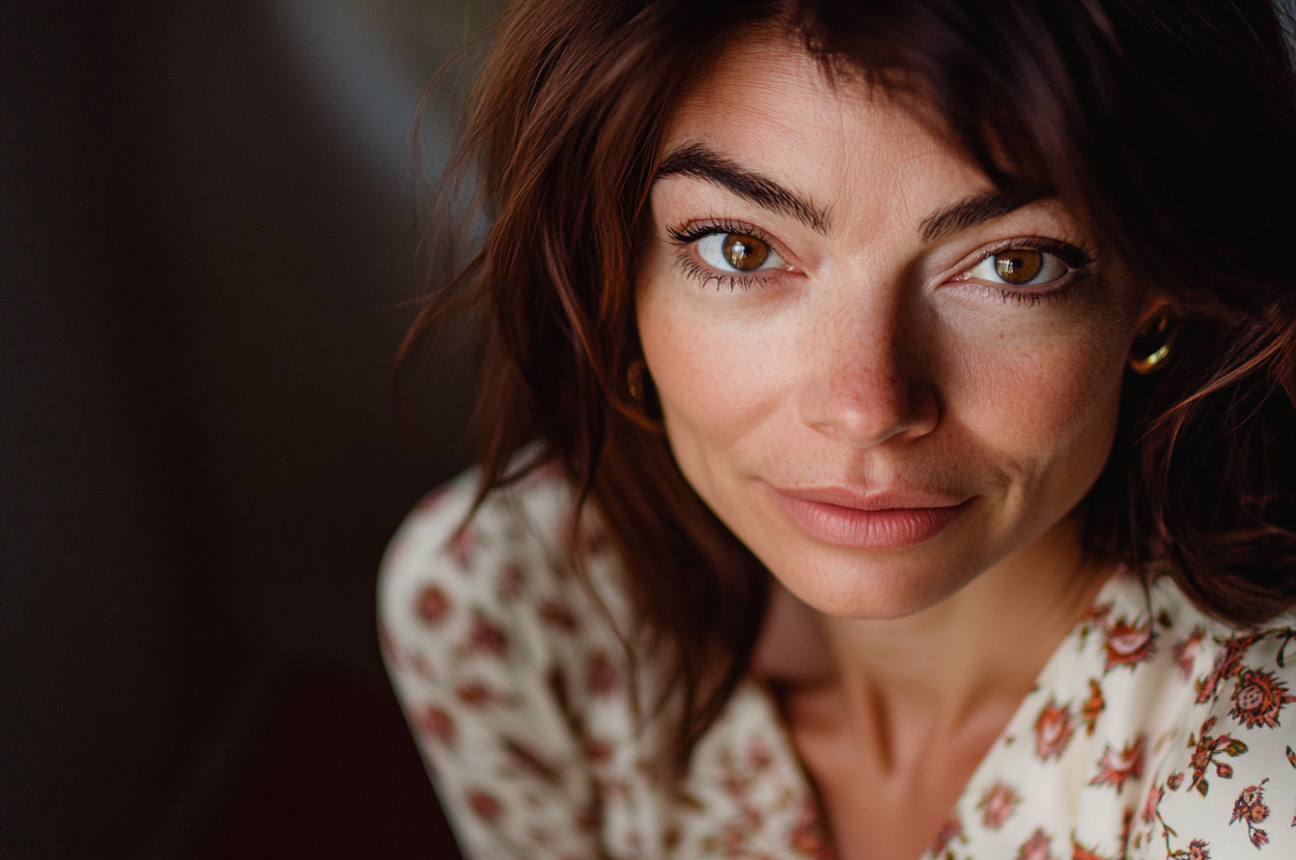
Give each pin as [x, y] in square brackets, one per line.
[883, 377]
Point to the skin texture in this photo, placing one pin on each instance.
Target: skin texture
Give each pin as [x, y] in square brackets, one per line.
[868, 359]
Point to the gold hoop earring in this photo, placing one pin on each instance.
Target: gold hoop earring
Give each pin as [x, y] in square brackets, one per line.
[634, 378]
[1164, 331]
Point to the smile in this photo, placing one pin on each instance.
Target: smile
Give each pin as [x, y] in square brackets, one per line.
[880, 521]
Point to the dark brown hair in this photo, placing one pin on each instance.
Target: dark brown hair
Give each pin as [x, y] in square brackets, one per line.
[1169, 128]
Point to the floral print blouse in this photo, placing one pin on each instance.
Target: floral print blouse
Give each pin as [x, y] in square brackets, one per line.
[1153, 731]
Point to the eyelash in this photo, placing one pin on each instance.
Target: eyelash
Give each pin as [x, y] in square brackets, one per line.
[1077, 259]
[685, 236]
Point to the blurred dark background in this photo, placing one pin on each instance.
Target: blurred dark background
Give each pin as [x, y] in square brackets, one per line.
[208, 251]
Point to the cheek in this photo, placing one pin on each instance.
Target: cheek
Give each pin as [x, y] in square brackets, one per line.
[1046, 402]
[717, 379]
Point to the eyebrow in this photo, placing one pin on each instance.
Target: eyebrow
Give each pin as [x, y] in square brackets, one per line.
[698, 161]
[969, 212]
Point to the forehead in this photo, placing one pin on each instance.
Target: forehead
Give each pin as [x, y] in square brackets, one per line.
[853, 150]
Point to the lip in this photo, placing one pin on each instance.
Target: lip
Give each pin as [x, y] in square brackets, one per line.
[888, 519]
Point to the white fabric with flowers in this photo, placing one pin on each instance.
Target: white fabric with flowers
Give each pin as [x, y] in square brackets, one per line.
[1154, 731]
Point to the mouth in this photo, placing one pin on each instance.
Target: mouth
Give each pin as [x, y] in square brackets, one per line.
[885, 520]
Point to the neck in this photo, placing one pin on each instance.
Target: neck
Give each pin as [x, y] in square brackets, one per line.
[958, 669]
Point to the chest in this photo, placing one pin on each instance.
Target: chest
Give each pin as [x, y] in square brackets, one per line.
[878, 805]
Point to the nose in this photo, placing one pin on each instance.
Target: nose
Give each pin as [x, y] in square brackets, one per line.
[865, 378]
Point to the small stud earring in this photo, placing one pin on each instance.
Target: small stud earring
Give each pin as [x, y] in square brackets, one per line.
[1163, 334]
[634, 378]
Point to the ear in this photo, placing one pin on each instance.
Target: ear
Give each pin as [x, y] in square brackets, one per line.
[1158, 310]
[1154, 334]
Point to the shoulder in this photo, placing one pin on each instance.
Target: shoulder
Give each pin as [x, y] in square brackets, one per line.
[500, 581]
[1227, 783]
[497, 654]
[511, 556]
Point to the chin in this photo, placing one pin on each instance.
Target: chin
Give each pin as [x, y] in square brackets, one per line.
[843, 586]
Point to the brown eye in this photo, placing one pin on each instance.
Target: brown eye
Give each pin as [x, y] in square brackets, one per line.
[745, 253]
[1019, 265]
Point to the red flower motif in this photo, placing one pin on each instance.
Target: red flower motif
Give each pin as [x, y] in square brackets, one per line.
[438, 723]
[558, 616]
[808, 837]
[997, 804]
[597, 751]
[759, 755]
[485, 637]
[1185, 653]
[1081, 852]
[1129, 643]
[475, 694]
[432, 605]
[601, 674]
[511, 580]
[1092, 706]
[486, 805]
[1250, 807]
[1154, 795]
[952, 829]
[1053, 729]
[1097, 614]
[1115, 769]
[1205, 753]
[1227, 664]
[1198, 850]
[1258, 699]
[1175, 780]
[1037, 847]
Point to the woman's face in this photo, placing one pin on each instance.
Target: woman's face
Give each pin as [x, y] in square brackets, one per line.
[881, 375]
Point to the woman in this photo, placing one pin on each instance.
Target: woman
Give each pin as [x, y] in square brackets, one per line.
[887, 421]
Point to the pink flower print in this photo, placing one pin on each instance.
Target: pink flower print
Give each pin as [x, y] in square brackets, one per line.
[475, 694]
[1129, 643]
[1097, 614]
[997, 804]
[511, 580]
[558, 616]
[951, 830]
[601, 674]
[1258, 698]
[432, 605]
[1036, 847]
[1150, 804]
[758, 755]
[1198, 850]
[588, 818]
[463, 546]
[438, 723]
[1205, 753]
[1227, 664]
[1185, 653]
[1250, 807]
[1081, 852]
[808, 837]
[596, 750]
[1053, 729]
[1176, 779]
[1092, 706]
[1115, 769]
[485, 637]
[486, 805]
